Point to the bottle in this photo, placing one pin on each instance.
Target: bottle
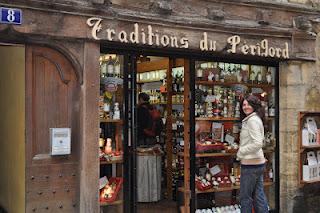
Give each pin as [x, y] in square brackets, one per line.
[117, 68]
[108, 147]
[259, 77]
[174, 84]
[103, 68]
[199, 72]
[116, 112]
[208, 173]
[269, 76]
[110, 67]
[271, 110]
[101, 139]
[271, 174]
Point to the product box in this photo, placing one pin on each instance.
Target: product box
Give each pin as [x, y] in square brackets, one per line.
[310, 171]
[310, 132]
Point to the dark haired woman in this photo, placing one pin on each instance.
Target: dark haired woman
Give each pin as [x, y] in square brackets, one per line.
[251, 156]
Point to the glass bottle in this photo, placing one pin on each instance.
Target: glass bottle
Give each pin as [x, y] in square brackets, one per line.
[110, 67]
[271, 174]
[269, 76]
[208, 173]
[199, 72]
[103, 68]
[117, 68]
[116, 111]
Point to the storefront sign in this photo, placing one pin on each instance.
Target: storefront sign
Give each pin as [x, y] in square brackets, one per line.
[10, 15]
[149, 36]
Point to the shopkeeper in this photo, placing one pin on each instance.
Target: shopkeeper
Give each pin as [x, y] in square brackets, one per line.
[148, 161]
[145, 139]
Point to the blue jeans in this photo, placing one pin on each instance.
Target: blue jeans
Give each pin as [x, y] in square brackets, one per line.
[251, 189]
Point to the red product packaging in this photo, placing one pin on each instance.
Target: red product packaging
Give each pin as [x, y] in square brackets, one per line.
[118, 183]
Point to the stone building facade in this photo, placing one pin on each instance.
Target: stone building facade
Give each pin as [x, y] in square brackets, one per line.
[62, 25]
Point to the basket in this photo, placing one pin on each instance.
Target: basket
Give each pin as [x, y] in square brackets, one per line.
[118, 181]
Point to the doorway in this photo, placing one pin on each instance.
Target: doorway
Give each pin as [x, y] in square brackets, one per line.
[159, 171]
[12, 128]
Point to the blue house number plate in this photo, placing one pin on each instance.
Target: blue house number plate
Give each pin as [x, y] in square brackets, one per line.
[10, 15]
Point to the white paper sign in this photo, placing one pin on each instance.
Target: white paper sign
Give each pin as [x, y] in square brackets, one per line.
[215, 170]
[103, 182]
[229, 139]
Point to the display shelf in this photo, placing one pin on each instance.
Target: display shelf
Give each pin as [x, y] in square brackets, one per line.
[228, 84]
[164, 103]
[206, 155]
[305, 149]
[104, 162]
[223, 189]
[217, 119]
[148, 81]
[310, 181]
[310, 147]
[116, 202]
[103, 120]
[270, 118]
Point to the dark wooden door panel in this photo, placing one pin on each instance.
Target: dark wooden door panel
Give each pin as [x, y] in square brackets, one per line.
[52, 101]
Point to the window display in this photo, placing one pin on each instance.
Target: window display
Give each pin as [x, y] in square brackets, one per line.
[219, 89]
[111, 109]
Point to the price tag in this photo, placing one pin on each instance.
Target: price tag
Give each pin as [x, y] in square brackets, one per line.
[10, 16]
[215, 170]
[103, 182]
[229, 139]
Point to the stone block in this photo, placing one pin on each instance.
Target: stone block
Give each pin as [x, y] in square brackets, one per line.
[288, 141]
[283, 97]
[293, 74]
[288, 120]
[296, 96]
[283, 67]
[308, 71]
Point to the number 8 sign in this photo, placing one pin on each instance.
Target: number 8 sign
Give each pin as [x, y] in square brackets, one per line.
[10, 15]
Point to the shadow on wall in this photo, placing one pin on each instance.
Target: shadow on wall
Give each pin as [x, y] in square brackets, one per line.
[308, 200]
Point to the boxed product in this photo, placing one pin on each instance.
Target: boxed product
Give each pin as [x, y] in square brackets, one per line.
[310, 171]
[309, 132]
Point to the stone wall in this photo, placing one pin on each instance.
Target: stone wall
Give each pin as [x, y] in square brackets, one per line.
[299, 91]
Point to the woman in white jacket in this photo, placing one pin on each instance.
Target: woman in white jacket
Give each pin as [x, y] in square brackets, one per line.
[251, 156]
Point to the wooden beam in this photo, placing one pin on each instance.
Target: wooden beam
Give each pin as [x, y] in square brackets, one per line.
[153, 65]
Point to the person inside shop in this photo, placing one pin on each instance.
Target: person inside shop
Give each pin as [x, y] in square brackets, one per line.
[148, 154]
[146, 138]
[251, 156]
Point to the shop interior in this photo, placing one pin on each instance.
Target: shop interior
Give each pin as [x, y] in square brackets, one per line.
[164, 173]
[12, 128]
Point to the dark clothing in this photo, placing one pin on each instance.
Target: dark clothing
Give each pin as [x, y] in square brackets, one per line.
[144, 122]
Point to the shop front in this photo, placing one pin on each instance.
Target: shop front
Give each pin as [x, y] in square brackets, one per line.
[84, 73]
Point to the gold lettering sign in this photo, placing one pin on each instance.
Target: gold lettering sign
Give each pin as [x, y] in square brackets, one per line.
[151, 37]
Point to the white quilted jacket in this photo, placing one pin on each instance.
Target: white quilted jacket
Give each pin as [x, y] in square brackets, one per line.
[251, 138]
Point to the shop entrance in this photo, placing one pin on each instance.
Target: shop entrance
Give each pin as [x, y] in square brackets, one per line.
[188, 162]
[159, 171]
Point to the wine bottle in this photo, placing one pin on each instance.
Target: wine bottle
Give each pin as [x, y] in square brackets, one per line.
[110, 67]
[117, 68]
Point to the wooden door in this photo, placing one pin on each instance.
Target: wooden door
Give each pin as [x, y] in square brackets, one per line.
[52, 101]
